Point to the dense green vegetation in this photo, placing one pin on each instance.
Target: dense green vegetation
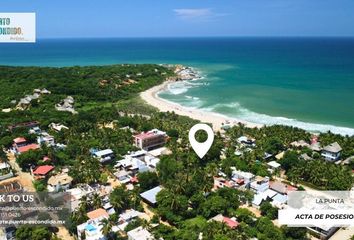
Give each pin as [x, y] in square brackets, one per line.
[104, 97]
[275, 139]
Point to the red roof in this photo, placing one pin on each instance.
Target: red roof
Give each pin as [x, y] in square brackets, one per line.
[43, 170]
[28, 147]
[231, 223]
[145, 135]
[20, 140]
[98, 213]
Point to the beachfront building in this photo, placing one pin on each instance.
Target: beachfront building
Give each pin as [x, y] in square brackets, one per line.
[150, 140]
[332, 152]
[103, 155]
[140, 233]
[247, 142]
[59, 182]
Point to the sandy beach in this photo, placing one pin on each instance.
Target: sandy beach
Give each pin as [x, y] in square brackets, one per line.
[151, 97]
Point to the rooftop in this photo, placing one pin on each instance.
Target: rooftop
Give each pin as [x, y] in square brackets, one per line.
[28, 147]
[103, 152]
[140, 233]
[333, 147]
[150, 195]
[273, 164]
[43, 170]
[98, 213]
[20, 140]
[63, 179]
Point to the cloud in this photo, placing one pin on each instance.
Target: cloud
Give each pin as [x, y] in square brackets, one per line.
[196, 14]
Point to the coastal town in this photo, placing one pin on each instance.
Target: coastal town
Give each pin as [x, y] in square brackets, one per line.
[122, 155]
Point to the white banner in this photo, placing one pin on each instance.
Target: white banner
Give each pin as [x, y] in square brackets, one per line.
[17, 27]
[316, 218]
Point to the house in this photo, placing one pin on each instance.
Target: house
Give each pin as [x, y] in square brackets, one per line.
[78, 192]
[260, 184]
[20, 145]
[92, 229]
[273, 166]
[140, 233]
[46, 139]
[262, 196]
[58, 127]
[126, 217]
[281, 188]
[332, 152]
[23, 125]
[42, 171]
[279, 201]
[5, 171]
[246, 176]
[35, 130]
[230, 222]
[123, 176]
[19, 142]
[59, 182]
[103, 155]
[245, 141]
[28, 147]
[220, 182]
[150, 140]
[150, 195]
[132, 164]
[66, 105]
[299, 144]
[151, 161]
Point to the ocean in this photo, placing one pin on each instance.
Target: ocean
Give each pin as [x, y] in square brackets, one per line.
[303, 82]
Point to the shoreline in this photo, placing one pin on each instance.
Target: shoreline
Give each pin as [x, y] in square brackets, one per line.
[151, 97]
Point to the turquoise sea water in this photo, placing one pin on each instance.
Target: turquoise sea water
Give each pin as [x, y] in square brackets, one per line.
[305, 82]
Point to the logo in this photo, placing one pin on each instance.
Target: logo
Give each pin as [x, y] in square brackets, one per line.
[17, 27]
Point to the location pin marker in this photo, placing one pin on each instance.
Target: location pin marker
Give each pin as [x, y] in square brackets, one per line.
[201, 148]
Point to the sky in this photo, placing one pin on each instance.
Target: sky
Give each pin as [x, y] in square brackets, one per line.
[187, 18]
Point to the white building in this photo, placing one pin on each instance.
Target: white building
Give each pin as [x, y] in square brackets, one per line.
[273, 166]
[58, 127]
[59, 182]
[104, 155]
[92, 229]
[332, 152]
[140, 233]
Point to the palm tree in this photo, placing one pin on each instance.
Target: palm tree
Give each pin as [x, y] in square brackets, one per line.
[106, 226]
[96, 201]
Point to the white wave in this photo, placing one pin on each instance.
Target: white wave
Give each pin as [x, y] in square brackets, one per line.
[245, 114]
[177, 88]
[194, 98]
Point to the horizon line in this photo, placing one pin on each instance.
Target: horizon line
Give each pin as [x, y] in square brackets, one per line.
[226, 36]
